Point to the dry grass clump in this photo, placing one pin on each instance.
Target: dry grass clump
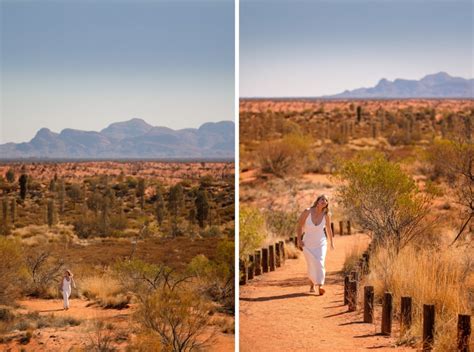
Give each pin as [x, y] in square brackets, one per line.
[106, 291]
[352, 257]
[291, 251]
[443, 277]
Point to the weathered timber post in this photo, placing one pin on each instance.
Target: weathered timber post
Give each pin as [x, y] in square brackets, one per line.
[464, 332]
[277, 255]
[352, 295]
[368, 304]
[341, 228]
[282, 251]
[271, 256]
[406, 315]
[349, 227]
[258, 263]
[387, 314]
[428, 326]
[346, 289]
[243, 272]
[265, 260]
[251, 267]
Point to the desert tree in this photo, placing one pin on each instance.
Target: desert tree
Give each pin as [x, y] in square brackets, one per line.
[23, 181]
[252, 231]
[202, 207]
[180, 317]
[10, 175]
[383, 200]
[454, 159]
[43, 270]
[141, 192]
[61, 195]
[75, 193]
[160, 209]
[13, 210]
[50, 212]
[10, 270]
[175, 205]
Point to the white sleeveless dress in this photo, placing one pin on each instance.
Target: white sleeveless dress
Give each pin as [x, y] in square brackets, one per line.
[314, 249]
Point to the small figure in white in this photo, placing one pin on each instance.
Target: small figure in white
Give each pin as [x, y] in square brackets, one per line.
[66, 287]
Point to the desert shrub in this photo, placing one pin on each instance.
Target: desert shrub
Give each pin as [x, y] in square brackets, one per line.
[281, 223]
[145, 342]
[140, 277]
[439, 276]
[216, 276]
[11, 267]
[211, 231]
[251, 230]
[454, 161]
[180, 317]
[102, 337]
[106, 291]
[289, 155]
[383, 200]
[43, 272]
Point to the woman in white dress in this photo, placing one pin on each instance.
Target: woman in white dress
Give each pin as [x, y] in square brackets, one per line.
[66, 287]
[312, 239]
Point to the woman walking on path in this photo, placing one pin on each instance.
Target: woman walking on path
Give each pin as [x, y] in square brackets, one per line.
[66, 287]
[312, 239]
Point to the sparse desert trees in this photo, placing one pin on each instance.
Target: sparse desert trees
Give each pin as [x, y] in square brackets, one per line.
[382, 199]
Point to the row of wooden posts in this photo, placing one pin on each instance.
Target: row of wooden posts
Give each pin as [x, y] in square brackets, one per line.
[272, 257]
[351, 290]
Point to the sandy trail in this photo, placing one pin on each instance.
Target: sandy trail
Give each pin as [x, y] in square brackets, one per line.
[277, 313]
[76, 338]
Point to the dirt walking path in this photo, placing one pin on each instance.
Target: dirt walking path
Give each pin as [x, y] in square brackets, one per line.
[77, 338]
[277, 312]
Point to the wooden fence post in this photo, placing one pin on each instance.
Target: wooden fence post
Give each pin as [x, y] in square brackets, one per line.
[387, 314]
[346, 289]
[341, 228]
[349, 228]
[332, 229]
[352, 295]
[258, 263]
[368, 304]
[243, 272]
[405, 319]
[251, 267]
[271, 256]
[277, 255]
[428, 326]
[464, 332]
[282, 250]
[265, 260]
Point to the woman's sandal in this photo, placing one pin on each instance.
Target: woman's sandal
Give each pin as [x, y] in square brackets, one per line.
[322, 291]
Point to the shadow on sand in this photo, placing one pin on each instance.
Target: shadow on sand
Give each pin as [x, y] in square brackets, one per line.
[271, 298]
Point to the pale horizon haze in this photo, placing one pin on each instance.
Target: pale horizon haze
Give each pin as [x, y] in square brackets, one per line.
[85, 64]
[303, 48]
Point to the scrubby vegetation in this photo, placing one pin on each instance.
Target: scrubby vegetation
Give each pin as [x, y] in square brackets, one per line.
[132, 241]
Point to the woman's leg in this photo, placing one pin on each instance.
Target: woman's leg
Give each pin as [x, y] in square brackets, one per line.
[66, 299]
[311, 267]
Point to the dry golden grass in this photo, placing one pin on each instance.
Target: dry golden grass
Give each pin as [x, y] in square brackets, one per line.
[291, 251]
[443, 277]
[105, 290]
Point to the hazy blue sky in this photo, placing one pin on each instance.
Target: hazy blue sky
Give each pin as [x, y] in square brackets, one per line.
[314, 48]
[87, 63]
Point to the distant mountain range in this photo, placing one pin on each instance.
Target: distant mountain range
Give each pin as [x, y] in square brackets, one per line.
[439, 85]
[129, 140]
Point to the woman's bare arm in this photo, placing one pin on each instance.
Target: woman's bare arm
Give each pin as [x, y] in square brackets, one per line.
[299, 228]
